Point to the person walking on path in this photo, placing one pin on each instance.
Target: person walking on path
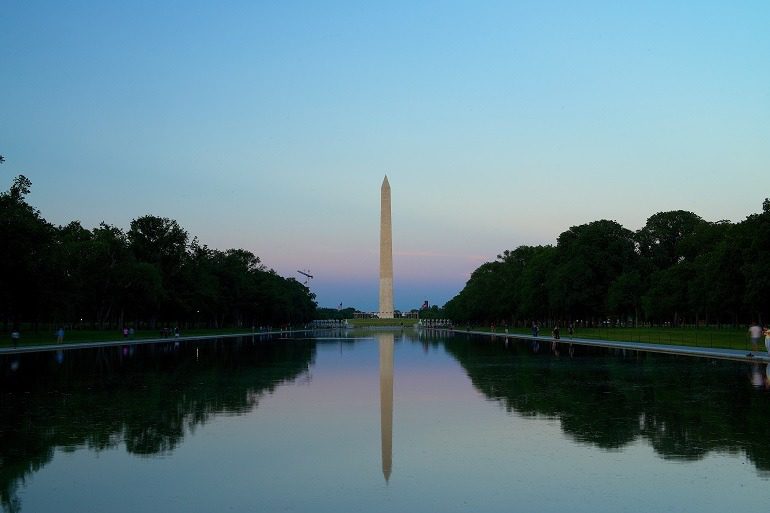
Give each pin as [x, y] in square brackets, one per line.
[755, 332]
[60, 335]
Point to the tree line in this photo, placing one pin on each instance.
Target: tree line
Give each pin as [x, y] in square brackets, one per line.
[677, 269]
[151, 275]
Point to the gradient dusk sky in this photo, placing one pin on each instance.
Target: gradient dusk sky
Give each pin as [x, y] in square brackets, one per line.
[269, 126]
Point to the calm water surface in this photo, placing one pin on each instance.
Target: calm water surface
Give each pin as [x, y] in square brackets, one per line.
[380, 421]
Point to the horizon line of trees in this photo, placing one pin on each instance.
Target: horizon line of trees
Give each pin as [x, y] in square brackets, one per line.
[677, 269]
[151, 275]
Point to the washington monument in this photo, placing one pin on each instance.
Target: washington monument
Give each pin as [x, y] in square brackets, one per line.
[386, 253]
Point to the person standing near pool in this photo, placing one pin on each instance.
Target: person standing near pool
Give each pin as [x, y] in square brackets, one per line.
[755, 332]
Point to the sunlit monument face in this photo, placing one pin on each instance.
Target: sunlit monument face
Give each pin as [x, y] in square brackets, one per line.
[386, 254]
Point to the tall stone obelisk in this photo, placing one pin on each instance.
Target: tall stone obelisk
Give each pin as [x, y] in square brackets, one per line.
[386, 253]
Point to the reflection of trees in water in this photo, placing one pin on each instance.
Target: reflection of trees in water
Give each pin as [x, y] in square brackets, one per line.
[685, 407]
[144, 396]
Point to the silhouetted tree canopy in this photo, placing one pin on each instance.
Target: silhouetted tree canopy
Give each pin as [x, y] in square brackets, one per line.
[151, 274]
[677, 268]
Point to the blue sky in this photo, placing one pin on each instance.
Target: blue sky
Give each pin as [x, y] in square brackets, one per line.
[269, 125]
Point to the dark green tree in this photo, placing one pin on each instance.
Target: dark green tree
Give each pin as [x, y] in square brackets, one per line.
[624, 295]
[660, 240]
[26, 259]
[589, 258]
[754, 239]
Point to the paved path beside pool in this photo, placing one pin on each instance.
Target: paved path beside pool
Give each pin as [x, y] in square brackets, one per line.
[702, 352]
[133, 342]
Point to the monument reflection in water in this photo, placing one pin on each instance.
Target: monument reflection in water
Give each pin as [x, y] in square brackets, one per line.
[385, 341]
[291, 425]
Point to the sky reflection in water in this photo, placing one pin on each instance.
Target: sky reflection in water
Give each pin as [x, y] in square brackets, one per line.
[389, 422]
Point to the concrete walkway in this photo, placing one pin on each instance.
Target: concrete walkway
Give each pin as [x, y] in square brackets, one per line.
[133, 342]
[701, 352]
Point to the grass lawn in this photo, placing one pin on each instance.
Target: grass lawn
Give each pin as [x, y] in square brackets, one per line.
[29, 338]
[728, 338]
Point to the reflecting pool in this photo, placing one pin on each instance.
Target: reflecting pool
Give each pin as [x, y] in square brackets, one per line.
[380, 421]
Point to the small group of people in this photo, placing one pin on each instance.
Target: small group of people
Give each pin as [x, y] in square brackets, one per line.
[756, 333]
[167, 332]
[556, 332]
